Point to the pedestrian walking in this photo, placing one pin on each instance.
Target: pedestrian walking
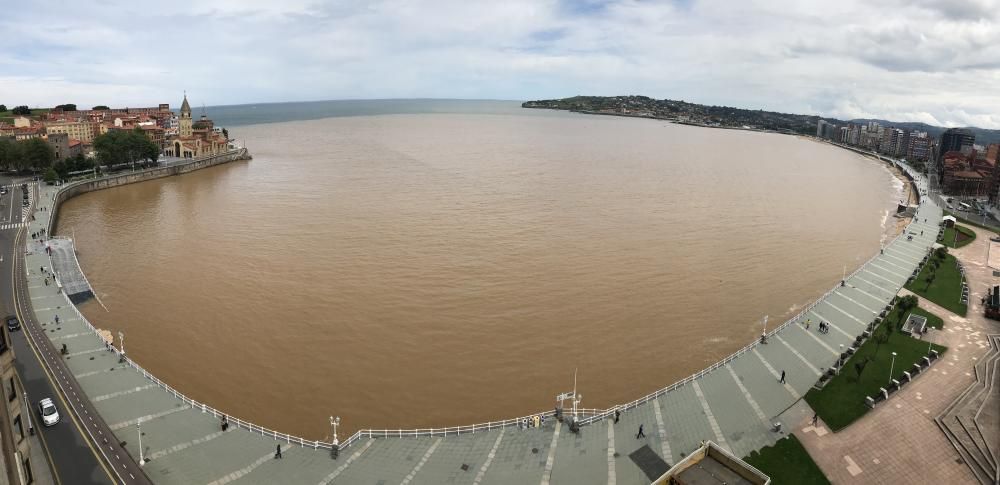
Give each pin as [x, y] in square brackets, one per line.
[277, 453]
[640, 434]
[618, 414]
[807, 324]
[815, 418]
[225, 422]
[782, 380]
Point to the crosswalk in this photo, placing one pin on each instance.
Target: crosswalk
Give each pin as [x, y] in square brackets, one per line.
[18, 185]
[14, 225]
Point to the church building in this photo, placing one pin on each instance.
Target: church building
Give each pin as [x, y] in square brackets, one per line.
[194, 138]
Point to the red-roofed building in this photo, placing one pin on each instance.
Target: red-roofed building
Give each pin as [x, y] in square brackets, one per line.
[967, 174]
[193, 140]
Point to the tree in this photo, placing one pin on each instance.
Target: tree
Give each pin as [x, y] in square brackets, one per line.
[10, 154]
[38, 154]
[860, 366]
[907, 303]
[79, 162]
[119, 147]
[21, 110]
[63, 168]
[930, 279]
[67, 107]
[3, 107]
[50, 176]
[941, 252]
[100, 107]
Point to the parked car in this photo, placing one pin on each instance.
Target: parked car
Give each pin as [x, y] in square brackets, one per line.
[13, 323]
[48, 412]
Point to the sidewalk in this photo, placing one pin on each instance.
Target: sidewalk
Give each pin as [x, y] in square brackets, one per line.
[898, 441]
[41, 469]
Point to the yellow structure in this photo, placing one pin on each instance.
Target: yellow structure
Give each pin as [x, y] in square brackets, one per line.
[79, 130]
[191, 141]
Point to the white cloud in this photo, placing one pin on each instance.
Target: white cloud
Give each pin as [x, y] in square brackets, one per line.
[933, 61]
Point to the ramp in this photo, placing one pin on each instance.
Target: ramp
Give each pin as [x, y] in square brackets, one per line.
[67, 270]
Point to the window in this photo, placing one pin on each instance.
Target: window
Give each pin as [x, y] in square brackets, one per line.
[28, 477]
[19, 428]
[11, 390]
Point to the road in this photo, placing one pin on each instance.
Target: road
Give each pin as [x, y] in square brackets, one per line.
[72, 458]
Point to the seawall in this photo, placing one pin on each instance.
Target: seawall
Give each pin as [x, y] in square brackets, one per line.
[74, 189]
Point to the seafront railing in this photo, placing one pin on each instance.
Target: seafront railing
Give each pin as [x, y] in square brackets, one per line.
[589, 415]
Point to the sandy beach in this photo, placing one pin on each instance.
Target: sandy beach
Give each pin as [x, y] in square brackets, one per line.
[910, 197]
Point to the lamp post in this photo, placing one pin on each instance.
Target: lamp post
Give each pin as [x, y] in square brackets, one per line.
[840, 359]
[891, 365]
[334, 422]
[138, 428]
[334, 442]
[121, 343]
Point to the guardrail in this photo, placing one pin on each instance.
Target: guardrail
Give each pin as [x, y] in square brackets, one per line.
[589, 415]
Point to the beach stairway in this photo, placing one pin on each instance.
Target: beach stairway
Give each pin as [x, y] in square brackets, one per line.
[971, 422]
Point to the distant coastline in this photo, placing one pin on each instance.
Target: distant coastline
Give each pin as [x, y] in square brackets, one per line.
[683, 112]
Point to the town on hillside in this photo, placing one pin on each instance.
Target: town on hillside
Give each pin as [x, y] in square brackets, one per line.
[73, 134]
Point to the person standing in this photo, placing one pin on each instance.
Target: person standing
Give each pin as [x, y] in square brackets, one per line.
[618, 415]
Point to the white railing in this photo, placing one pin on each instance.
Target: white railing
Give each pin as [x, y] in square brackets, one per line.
[589, 415]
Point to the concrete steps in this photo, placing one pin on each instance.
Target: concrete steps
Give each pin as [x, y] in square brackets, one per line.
[970, 422]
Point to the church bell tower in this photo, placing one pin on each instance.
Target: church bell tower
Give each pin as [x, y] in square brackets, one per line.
[184, 124]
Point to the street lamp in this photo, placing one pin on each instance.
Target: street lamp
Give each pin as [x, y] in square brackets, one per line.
[121, 343]
[138, 428]
[891, 365]
[840, 359]
[335, 421]
[334, 443]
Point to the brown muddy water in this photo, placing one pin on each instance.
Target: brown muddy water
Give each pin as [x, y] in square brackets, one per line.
[440, 269]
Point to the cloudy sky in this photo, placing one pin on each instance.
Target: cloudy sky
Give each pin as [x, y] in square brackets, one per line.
[936, 61]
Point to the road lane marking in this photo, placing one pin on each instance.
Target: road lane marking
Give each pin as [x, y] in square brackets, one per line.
[329, 478]
[801, 357]
[711, 417]
[489, 458]
[427, 456]
[547, 474]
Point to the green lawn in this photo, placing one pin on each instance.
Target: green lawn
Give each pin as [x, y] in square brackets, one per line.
[842, 400]
[964, 236]
[787, 462]
[8, 116]
[945, 290]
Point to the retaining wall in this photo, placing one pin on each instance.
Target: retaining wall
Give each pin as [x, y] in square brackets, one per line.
[74, 189]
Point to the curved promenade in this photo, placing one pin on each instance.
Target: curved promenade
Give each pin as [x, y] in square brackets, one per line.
[733, 403]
